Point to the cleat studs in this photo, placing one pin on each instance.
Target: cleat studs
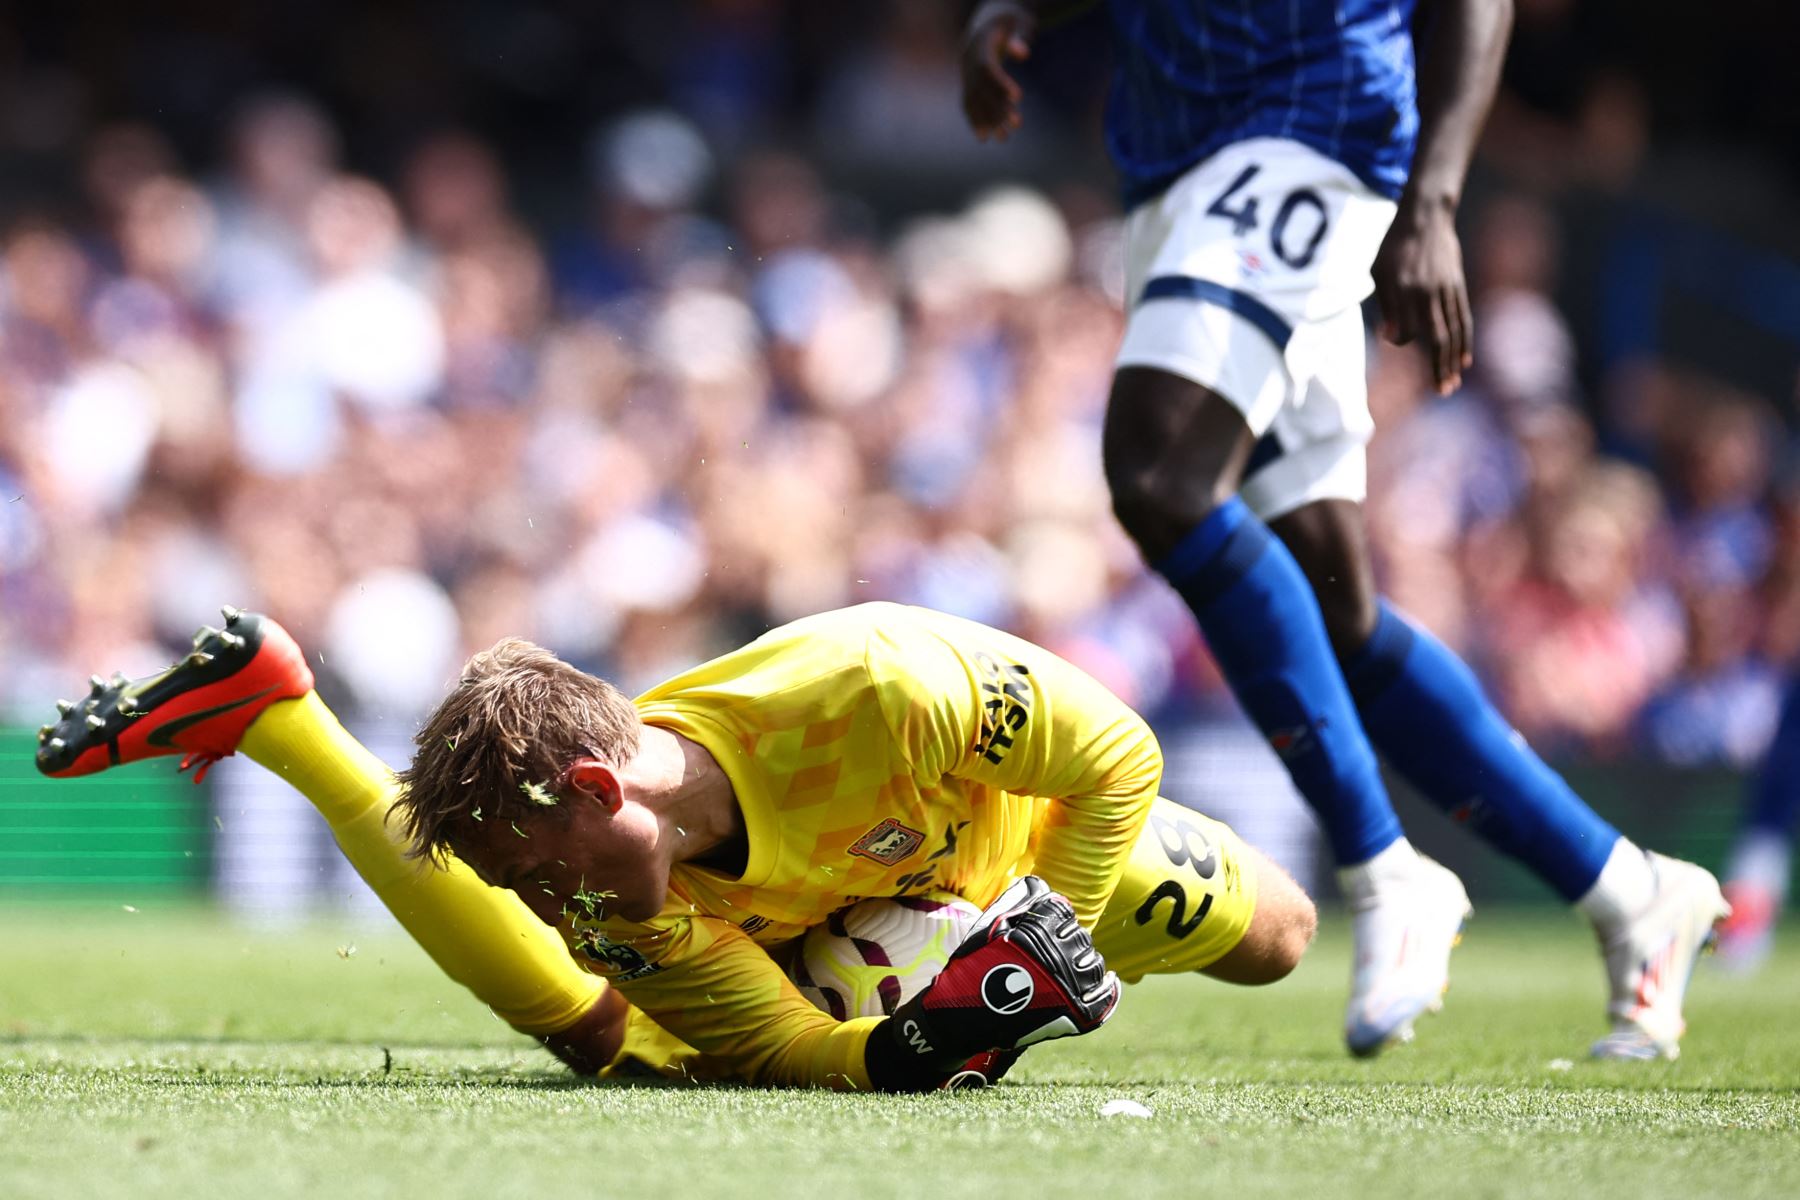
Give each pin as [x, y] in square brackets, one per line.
[231, 641]
[126, 706]
[200, 635]
[96, 685]
[96, 722]
[119, 680]
[44, 733]
[65, 707]
[198, 658]
[55, 745]
[230, 614]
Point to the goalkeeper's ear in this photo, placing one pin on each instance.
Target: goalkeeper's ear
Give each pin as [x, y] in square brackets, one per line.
[597, 781]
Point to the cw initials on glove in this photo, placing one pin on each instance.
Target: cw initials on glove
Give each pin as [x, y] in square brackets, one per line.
[1028, 972]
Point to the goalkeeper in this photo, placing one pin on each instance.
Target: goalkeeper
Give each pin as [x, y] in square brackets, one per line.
[678, 843]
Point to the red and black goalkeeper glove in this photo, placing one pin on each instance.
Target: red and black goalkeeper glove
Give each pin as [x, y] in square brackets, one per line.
[1027, 973]
[983, 1071]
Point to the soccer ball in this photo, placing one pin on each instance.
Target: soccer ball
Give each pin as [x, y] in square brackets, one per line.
[868, 959]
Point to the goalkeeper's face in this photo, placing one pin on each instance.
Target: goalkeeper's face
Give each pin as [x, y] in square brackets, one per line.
[598, 862]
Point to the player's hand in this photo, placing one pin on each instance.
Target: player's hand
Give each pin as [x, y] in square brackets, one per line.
[594, 1040]
[1423, 296]
[999, 32]
[1027, 973]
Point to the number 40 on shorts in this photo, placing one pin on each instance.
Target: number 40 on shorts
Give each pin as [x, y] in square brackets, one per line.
[1295, 248]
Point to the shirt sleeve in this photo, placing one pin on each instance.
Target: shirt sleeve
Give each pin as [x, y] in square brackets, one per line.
[706, 982]
[977, 704]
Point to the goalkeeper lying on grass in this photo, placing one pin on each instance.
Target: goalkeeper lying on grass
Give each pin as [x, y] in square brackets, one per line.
[677, 840]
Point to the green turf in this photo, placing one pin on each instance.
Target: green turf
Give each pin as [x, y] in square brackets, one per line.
[168, 1053]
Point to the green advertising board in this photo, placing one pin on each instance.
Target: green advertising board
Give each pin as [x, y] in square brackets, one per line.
[1690, 814]
[124, 833]
[111, 836]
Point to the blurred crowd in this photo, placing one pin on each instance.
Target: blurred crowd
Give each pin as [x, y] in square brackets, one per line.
[1623, 572]
[407, 424]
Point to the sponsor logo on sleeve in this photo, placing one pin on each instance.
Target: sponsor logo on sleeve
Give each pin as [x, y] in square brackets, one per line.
[1006, 695]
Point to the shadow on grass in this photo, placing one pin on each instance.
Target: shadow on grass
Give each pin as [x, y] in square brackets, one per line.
[530, 1072]
[391, 1067]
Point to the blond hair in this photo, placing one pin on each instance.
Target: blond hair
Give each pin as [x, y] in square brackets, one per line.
[499, 745]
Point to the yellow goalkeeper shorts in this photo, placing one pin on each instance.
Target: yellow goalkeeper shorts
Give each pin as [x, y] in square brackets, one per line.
[1186, 897]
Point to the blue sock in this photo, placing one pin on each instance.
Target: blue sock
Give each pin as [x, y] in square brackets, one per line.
[1428, 716]
[1263, 625]
[1775, 798]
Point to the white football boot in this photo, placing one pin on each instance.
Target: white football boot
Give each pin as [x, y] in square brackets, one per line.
[1405, 918]
[1650, 957]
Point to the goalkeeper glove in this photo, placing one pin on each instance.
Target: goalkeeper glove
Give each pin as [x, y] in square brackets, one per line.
[984, 1070]
[1026, 974]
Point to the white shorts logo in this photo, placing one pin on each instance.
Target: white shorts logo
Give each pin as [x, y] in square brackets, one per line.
[1007, 989]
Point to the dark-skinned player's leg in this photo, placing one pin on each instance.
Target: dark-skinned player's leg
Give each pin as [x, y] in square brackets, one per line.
[1427, 714]
[1240, 392]
[1329, 540]
[1174, 452]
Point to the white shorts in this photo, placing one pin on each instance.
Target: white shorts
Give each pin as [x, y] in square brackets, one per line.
[1247, 277]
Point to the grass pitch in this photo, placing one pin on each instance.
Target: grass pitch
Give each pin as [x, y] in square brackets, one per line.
[170, 1053]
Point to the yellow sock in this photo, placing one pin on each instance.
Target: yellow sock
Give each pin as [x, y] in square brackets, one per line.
[484, 938]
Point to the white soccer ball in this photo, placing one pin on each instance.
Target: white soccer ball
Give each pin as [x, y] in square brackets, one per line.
[868, 959]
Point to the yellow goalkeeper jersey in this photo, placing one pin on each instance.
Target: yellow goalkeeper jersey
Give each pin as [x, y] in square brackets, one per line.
[880, 750]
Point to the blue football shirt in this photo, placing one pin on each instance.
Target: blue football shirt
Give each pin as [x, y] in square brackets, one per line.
[1194, 76]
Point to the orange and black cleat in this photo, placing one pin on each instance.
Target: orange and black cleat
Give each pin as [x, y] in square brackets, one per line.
[198, 708]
